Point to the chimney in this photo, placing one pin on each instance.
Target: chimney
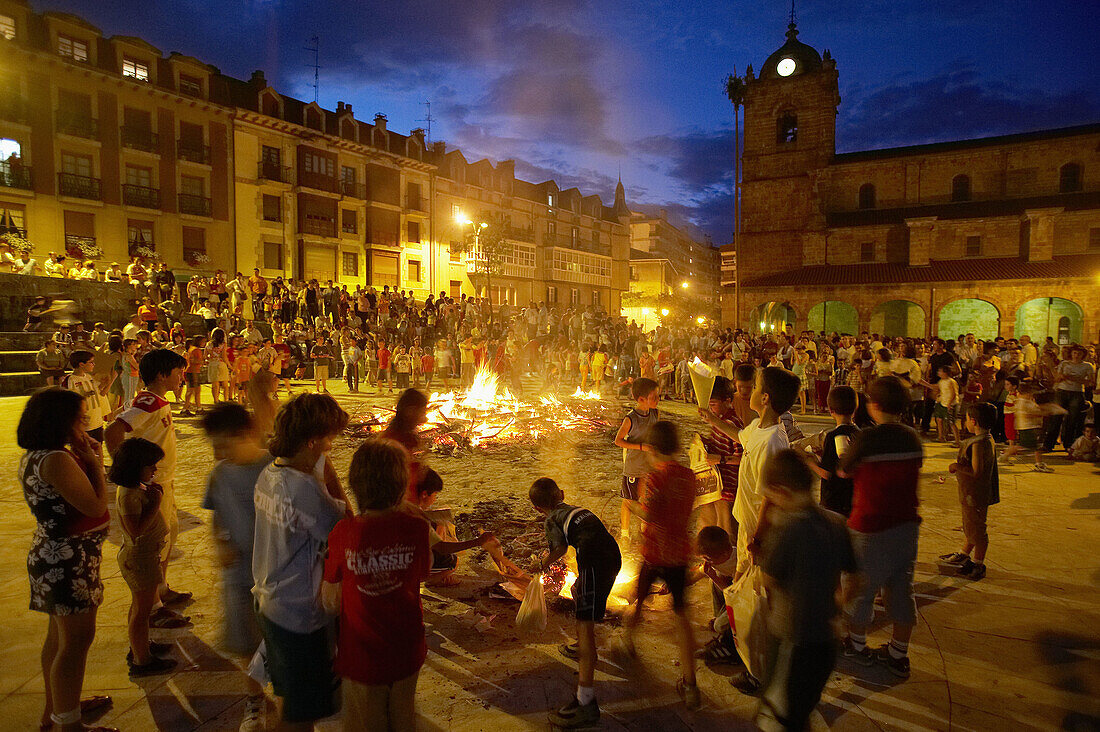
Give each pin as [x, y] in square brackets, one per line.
[258, 79]
[439, 147]
[664, 214]
[339, 107]
[380, 121]
[347, 107]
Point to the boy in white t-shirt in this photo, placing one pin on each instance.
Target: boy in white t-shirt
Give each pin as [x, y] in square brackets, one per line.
[150, 417]
[83, 381]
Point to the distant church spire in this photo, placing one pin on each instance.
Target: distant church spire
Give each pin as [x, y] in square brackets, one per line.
[620, 207]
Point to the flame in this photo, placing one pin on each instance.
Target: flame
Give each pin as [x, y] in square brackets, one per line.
[578, 394]
[621, 592]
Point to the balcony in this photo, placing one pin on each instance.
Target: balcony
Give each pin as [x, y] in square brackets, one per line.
[14, 231]
[383, 238]
[274, 172]
[318, 226]
[15, 176]
[138, 138]
[193, 152]
[318, 181]
[416, 205]
[13, 109]
[78, 186]
[76, 246]
[77, 124]
[517, 233]
[194, 205]
[353, 190]
[144, 196]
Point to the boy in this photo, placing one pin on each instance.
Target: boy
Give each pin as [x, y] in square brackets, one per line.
[724, 452]
[1086, 448]
[976, 469]
[384, 366]
[402, 367]
[947, 404]
[836, 491]
[427, 367]
[150, 417]
[629, 437]
[196, 357]
[598, 564]
[372, 574]
[884, 463]
[713, 544]
[229, 489]
[83, 381]
[802, 558]
[322, 359]
[51, 362]
[1029, 425]
[666, 547]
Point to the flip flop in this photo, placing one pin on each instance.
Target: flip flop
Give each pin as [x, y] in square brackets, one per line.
[168, 619]
[91, 705]
[171, 597]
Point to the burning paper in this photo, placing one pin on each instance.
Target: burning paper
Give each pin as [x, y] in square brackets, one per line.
[702, 381]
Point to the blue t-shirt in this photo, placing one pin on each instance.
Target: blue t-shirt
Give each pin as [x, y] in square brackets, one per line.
[230, 490]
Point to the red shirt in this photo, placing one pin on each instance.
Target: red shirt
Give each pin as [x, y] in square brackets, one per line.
[383, 358]
[427, 363]
[379, 562]
[719, 443]
[884, 462]
[668, 499]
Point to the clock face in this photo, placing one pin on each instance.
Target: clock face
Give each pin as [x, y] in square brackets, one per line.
[785, 67]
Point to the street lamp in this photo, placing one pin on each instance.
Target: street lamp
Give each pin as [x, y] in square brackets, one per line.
[664, 312]
[684, 284]
[700, 320]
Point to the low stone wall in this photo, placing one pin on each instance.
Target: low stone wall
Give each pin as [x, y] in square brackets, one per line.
[110, 303]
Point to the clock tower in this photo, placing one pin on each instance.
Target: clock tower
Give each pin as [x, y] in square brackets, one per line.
[790, 138]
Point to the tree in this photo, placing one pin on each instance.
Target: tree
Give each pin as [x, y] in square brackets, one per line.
[486, 245]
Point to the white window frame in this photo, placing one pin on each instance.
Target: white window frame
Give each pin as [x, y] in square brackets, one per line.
[7, 27]
[134, 69]
[73, 48]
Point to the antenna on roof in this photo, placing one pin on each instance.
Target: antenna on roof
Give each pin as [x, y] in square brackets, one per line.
[315, 46]
[792, 12]
[427, 119]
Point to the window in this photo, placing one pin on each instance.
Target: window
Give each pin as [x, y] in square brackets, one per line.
[313, 118]
[633, 273]
[348, 221]
[551, 294]
[273, 255]
[551, 228]
[867, 195]
[456, 289]
[72, 48]
[786, 128]
[960, 188]
[347, 173]
[349, 264]
[456, 251]
[595, 297]
[135, 69]
[194, 242]
[574, 235]
[7, 27]
[190, 85]
[574, 296]
[973, 246]
[13, 219]
[139, 234]
[136, 176]
[414, 270]
[550, 200]
[1069, 178]
[271, 155]
[412, 196]
[318, 164]
[456, 211]
[192, 186]
[867, 251]
[76, 164]
[414, 232]
[269, 104]
[1063, 331]
[273, 210]
[1094, 238]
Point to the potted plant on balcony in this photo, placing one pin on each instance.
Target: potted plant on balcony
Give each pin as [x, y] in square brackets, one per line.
[16, 242]
[146, 253]
[90, 250]
[197, 259]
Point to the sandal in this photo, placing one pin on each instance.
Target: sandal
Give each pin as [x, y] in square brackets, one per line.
[164, 618]
[171, 597]
[569, 650]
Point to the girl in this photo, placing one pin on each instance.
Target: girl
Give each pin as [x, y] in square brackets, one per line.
[144, 532]
[217, 366]
[823, 379]
[127, 368]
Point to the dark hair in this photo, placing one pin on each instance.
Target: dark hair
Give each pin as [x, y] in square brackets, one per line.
[379, 472]
[744, 372]
[781, 386]
[159, 362]
[888, 394]
[885, 354]
[48, 418]
[78, 357]
[711, 539]
[723, 389]
[544, 493]
[642, 387]
[984, 413]
[132, 456]
[664, 437]
[114, 343]
[788, 469]
[842, 400]
[411, 399]
[226, 418]
[302, 419]
[428, 483]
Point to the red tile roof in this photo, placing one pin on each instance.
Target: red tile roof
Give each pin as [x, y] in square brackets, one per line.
[953, 270]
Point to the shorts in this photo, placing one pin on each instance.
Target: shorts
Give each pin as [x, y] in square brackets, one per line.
[365, 701]
[675, 578]
[300, 667]
[320, 372]
[974, 521]
[1028, 438]
[383, 374]
[1010, 427]
[945, 413]
[140, 569]
[192, 379]
[240, 630]
[887, 558]
[55, 374]
[171, 518]
[795, 677]
[595, 580]
[631, 489]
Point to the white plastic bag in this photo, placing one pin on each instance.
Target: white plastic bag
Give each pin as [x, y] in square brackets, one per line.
[748, 608]
[532, 611]
[257, 667]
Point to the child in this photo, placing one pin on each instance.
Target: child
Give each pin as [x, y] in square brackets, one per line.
[1086, 448]
[425, 492]
[1029, 426]
[242, 372]
[150, 417]
[229, 495]
[1012, 390]
[713, 544]
[884, 463]
[947, 405]
[629, 437]
[976, 469]
[836, 491]
[372, 574]
[322, 359]
[666, 546]
[384, 356]
[298, 501]
[51, 362]
[802, 559]
[724, 453]
[196, 358]
[598, 564]
[466, 351]
[402, 367]
[144, 534]
[83, 381]
[973, 391]
[427, 367]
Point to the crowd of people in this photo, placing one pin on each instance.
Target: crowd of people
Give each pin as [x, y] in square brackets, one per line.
[295, 553]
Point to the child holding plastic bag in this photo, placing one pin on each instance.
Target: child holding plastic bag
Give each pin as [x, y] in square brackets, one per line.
[598, 564]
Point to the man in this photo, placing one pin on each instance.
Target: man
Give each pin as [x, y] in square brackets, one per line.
[25, 265]
[258, 285]
[172, 307]
[968, 353]
[1029, 352]
[51, 267]
[131, 329]
[165, 281]
[252, 334]
[113, 274]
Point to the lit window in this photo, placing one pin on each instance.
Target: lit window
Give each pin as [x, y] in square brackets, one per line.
[135, 69]
[350, 261]
[192, 87]
[72, 48]
[7, 27]
[414, 271]
[550, 200]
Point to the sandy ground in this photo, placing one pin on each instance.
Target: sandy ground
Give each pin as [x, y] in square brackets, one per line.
[1018, 650]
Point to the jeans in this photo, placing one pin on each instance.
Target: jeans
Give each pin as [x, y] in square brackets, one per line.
[1069, 425]
[351, 374]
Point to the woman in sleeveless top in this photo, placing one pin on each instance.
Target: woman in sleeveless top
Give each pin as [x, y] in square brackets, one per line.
[217, 364]
[65, 488]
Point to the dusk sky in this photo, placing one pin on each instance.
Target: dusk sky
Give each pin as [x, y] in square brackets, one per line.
[576, 90]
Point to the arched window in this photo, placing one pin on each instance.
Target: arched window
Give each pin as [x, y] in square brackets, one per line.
[1063, 331]
[867, 195]
[960, 188]
[786, 128]
[1069, 178]
[313, 118]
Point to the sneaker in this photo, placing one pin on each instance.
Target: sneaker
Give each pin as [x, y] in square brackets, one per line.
[966, 567]
[254, 714]
[155, 650]
[155, 667]
[721, 651]
[897, 666]
[974, 573]
[746, 683]
[865, 657]
[689, 693]
[574, 715]
[955, 558]
[569, 650]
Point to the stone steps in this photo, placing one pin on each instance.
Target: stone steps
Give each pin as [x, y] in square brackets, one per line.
[17, 361]
[20, 383]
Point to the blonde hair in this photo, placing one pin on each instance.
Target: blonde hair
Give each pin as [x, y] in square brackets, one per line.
[379, 474]
[303, 418]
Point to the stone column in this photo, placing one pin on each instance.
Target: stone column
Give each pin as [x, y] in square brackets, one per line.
[1041, 233]
[921, 231]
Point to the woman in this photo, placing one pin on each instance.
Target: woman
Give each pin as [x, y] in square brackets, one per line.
[1071, 378]
[798, 368]
[65, 488]
[217, 364]
[823, 377]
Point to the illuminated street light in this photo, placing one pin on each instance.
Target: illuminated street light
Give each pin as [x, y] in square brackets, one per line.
[700, 320]
[763, 325]
[684, 284]
[664, 311]
[645, 311]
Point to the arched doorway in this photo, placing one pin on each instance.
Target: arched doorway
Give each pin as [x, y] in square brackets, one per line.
[898, 318]
[1056, 317]
[833, 315]
[772, 317]
[969, 315]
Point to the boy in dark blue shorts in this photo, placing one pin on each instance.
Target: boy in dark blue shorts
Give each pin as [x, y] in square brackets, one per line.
[598, 564]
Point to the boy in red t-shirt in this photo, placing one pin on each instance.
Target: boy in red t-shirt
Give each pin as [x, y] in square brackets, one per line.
[427, 367]
[665, 510]
[376, 562]
[384, 366]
